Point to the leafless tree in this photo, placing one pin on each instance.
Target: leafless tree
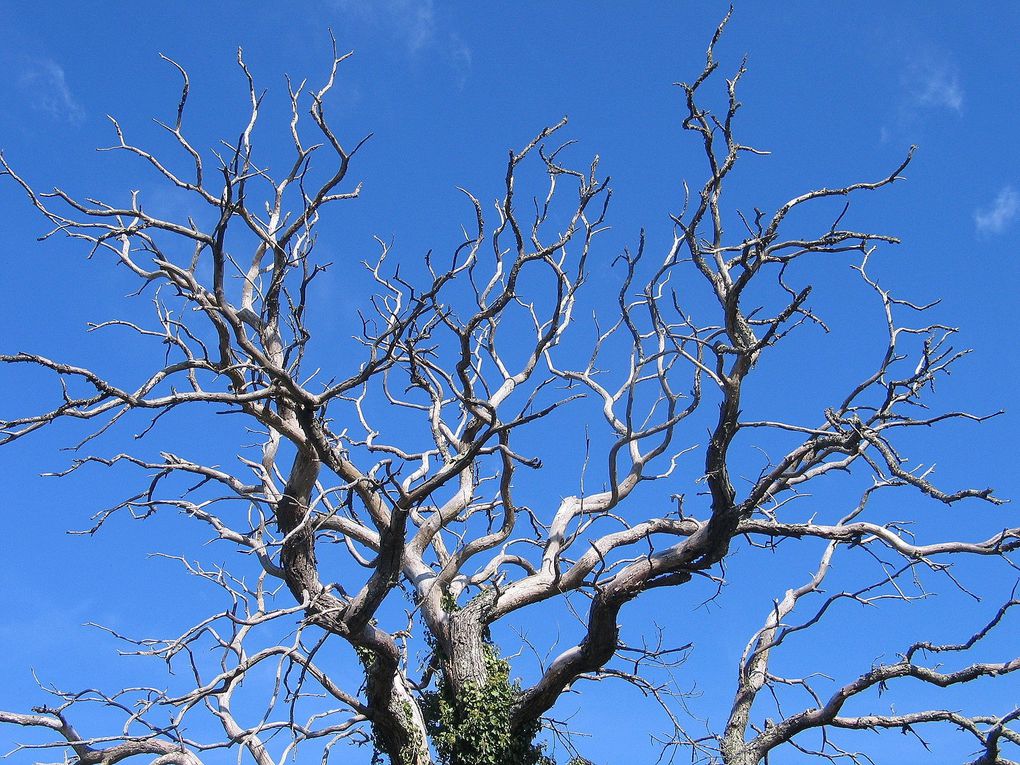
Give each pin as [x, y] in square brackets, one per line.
[380, 507]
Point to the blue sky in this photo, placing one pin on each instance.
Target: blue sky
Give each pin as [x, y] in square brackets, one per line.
[837, 93]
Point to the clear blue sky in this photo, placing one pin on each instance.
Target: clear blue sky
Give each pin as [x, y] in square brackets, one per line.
[837, 92]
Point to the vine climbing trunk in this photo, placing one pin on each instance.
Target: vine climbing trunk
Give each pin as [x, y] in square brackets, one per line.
[469, 716]
[399, 726]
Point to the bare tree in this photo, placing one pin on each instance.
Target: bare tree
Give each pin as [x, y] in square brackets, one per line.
[381, 506]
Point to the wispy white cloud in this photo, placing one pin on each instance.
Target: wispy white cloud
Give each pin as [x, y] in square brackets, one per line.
[45, 85]
[460, 56]
[934, 84]
[941, 88]
[996, 217]
[414, 24]
[930, 86]
[413, 21]
[420, 23]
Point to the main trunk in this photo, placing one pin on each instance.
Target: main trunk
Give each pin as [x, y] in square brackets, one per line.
[469, 716]
[738, 753]
[399, 727]
[464, 659]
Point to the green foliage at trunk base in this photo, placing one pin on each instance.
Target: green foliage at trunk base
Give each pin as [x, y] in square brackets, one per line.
[473, 726]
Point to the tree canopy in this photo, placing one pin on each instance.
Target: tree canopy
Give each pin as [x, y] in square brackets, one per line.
[441, 531]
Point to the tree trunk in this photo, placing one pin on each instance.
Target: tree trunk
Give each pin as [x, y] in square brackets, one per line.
[739, 753]
[398, 726]
[472, 722]
[465, 659]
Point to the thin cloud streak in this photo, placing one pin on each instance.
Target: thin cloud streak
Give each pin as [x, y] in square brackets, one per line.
[45, 83]
[1003, 211]
[933, 84]
[929, 87]
[413, 23]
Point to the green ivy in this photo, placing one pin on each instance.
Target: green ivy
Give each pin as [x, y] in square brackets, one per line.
[366, 656]
[450, 603]
[473, 726]
[415, 747]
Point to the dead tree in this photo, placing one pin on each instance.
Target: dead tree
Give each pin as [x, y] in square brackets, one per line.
[380, 509]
